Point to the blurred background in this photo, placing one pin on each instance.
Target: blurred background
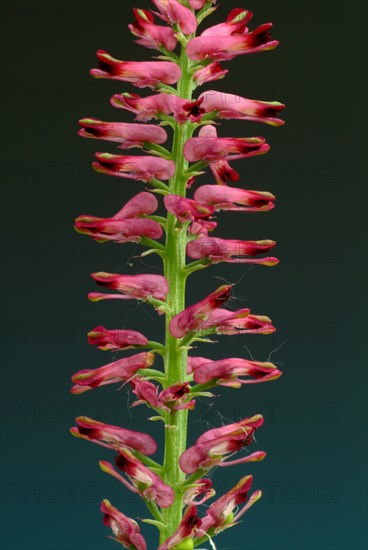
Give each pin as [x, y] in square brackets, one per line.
[313, 479]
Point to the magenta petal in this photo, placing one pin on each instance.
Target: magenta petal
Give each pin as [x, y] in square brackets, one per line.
[144, 168]
[125, 530]
[116, 339]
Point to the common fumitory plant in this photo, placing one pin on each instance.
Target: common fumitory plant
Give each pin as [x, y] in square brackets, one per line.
[185, 58]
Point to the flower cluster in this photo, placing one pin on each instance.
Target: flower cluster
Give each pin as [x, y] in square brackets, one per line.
[187, 59]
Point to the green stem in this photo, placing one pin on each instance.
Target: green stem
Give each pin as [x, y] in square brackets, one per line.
[175, 357]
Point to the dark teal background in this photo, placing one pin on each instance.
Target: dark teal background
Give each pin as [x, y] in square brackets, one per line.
[314, 477]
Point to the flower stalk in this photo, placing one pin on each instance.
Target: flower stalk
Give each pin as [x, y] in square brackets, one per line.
[173, 490]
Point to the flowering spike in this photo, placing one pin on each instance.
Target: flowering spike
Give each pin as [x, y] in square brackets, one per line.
[172, 491]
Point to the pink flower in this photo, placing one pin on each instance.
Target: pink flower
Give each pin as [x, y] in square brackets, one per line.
[128, 135]
[222, 197]
[202, 227]
[113, 437]
[149, 34]
[226, 47]
[116, 339]
[193, 317]
[230, 250]
[186, 529]
[227, 372]
[230, 106]
[112, 373]
[140, 287]
[124, 226]
[209, 73]
[194, 362]
[186, 209]
[220, 514]
[144, 168]
[125, 530]
[215, 446]
[146, 392]
[201, 487]
[119, 231]
[235, 24]
[223, 172]
[142, 480]
[175, 13]
[223, 321]
[140, 73]
[175, 398]
[209, 148]
[152, 106]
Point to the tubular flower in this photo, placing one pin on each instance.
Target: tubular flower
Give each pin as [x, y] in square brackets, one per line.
[235, 24]
[113, 437]
[125, 530]
[112, 373]
[230, 251]
[210, 148]
[230, 198]
[140, 287]
[202, 227]
[193, 317]
[225, 47]
[210, 73]
[140, 73]
[146, 392]
[201, 487]
[116, 339]
[175, 398]
[215, 446]
[186, 209]
[144, 168]
[125, 226]
[223, 321]
[153, 106]
[142, 480]
[230, 106]
[186, 530]
[119, 231]
[220, 514]
[128, 135]
[175, 13]
[227, 372]
[149, 34]
[195, 362]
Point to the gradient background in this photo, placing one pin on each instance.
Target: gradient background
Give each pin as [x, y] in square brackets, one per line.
[314, 476]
